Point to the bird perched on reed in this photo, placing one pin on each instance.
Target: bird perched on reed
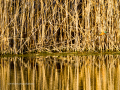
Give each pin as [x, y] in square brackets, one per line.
[103, 33]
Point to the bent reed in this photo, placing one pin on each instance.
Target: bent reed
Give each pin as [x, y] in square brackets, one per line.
[59, 25]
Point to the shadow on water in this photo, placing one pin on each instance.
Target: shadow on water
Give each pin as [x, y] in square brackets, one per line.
[68, 72]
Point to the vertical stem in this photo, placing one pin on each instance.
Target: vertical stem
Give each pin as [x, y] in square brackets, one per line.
[76, 19]
[42, 15]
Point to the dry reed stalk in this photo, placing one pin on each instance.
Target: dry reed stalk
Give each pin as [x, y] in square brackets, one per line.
[2, 27]
[76, 21]
[66, 24]
[22, 27]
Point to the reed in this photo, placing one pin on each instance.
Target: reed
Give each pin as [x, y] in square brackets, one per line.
[59, 25]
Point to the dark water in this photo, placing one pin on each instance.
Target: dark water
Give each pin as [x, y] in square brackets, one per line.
[68, 72]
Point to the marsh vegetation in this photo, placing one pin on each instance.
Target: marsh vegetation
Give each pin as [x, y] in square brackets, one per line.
[59, 25]
[69, 72]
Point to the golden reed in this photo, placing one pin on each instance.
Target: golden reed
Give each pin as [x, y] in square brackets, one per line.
[59, 25]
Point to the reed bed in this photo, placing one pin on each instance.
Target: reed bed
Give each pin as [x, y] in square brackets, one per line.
[60, 72]
[59, 25]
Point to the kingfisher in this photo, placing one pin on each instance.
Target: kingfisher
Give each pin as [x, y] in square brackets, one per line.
[103, 33]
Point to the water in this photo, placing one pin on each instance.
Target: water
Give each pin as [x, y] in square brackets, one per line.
[93, 72]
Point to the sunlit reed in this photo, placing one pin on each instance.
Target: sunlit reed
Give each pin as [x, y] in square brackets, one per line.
[59, 25]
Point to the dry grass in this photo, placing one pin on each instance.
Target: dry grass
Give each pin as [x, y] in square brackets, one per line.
[59, 25]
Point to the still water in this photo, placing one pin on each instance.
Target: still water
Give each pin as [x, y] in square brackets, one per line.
[70, 72]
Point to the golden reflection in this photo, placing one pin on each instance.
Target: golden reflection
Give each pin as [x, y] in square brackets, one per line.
[60, 73]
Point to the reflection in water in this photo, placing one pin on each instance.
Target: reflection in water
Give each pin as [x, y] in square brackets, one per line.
[60, 73]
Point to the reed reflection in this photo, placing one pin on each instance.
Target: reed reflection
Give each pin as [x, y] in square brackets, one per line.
[60, 73]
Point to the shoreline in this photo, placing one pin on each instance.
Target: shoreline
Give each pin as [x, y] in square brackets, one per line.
[59, 54]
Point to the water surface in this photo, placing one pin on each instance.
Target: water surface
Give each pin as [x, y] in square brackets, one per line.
[69, 72]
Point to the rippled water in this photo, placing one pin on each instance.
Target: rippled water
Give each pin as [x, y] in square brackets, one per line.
[101, 72]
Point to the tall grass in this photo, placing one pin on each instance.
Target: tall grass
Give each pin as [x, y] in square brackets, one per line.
[59, 25]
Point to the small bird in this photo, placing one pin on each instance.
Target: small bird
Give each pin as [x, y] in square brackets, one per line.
[103, 33]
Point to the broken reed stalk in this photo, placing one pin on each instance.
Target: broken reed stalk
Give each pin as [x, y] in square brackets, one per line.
[70, 25]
